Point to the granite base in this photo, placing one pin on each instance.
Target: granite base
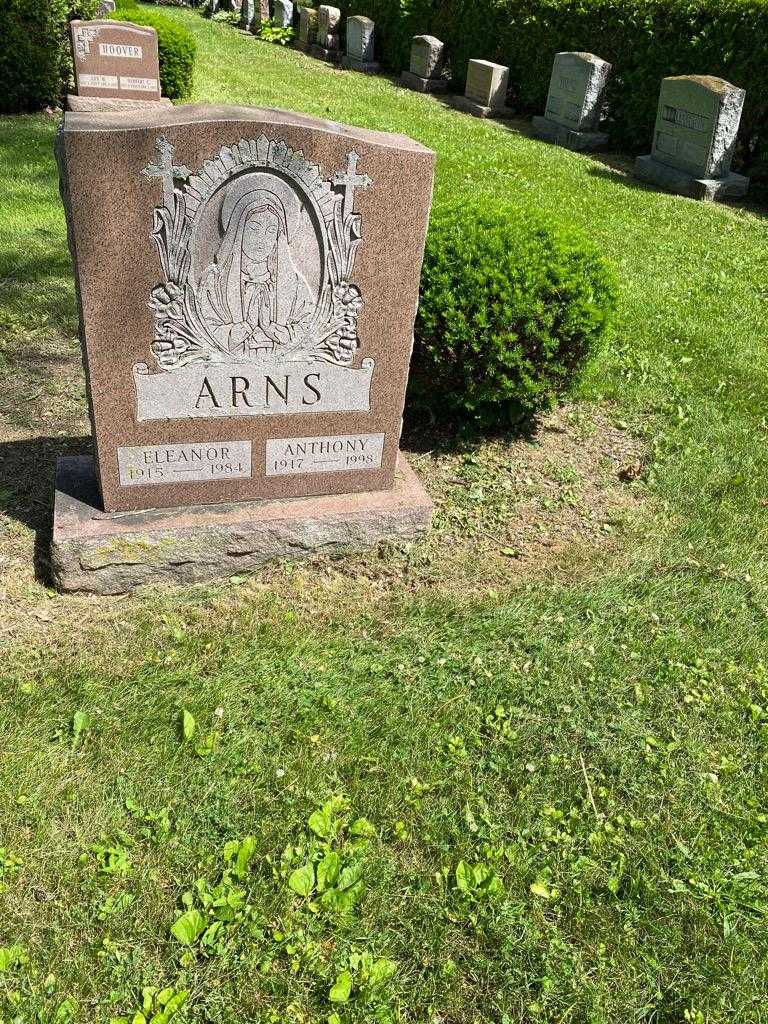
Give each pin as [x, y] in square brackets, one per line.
[408, 80]
[569, 138]
[321, 53]
[367, 67]
[478, 110]
[732, 186]
[113, 552]
[88, 104]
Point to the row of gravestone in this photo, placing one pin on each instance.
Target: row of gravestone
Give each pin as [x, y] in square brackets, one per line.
[693, 141]
[696, 124]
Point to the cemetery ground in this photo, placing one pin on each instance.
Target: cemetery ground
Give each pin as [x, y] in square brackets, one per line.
[536, 740]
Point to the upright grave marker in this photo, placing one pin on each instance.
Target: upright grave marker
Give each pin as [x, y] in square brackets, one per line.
[426, 70]
[360, 45]
[116, 66]
[283, 13]
[575, 102]
[485, 94]
[693, 141]
[247, 289]
[307, 28]
[247, 15]
[327, 45]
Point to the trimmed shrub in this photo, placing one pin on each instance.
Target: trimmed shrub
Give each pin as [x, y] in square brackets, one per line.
[511, 308]
[35, 56]
[176, 45]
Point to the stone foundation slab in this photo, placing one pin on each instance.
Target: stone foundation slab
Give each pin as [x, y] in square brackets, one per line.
[478, 110]
[410, 81]
[732, 186]
[113, 552]
[368, 68]
[551, 131]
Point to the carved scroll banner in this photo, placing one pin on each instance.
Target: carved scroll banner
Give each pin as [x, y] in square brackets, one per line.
[269, 387]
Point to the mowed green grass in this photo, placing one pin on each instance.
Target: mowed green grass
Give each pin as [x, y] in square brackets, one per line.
[566, 775]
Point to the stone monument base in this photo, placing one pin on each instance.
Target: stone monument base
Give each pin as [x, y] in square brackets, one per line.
[730, 187]
[408, 80]
[569, 138]
[367, 67]
[330, 56]
[112, 552]
[478, 110]
[95, 104]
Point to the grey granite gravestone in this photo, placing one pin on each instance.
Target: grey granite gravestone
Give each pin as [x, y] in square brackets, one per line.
[575, 102]
[283, 13]
[327, 45]
[694, 137]
[485, 94]
[247, 12]
[360, 45]
[426, 71]
[307, 28]
[105, 7]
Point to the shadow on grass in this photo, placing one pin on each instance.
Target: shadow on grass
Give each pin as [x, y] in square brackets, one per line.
[425, 431]
[27, 480]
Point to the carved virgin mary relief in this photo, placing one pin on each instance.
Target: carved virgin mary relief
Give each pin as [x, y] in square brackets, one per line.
[257, 313]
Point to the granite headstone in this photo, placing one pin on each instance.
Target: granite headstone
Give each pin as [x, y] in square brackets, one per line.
[694, 137]
[116, 66]
[360, 45]
[307, 28]
[426, 69]
[283, 13]
[247, 290]
[247, 15]
[575, 102]
[327, 45]
[485, 94]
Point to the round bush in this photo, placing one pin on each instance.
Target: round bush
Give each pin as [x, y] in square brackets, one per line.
[511, 308]
[176, 46]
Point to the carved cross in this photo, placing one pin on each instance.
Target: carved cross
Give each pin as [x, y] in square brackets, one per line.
[165, 169]
[350, 181]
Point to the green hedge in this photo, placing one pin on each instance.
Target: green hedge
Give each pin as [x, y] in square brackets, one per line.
[645, 40]
[177, 48]
[512, 306]
[35, 55]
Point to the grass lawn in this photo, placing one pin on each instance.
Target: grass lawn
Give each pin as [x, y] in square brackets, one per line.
[513, 773]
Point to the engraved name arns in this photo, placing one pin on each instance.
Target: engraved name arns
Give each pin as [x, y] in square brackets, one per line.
[259, 318]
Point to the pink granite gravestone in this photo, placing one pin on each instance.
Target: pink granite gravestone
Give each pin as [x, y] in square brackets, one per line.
[248, 287]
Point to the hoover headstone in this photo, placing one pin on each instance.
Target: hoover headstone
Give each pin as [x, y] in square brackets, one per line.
[116, 66]
[693, 141]
[485, 94]
[327, 45]
[575, 102]
[360, 45]
[247, 289]
[426, 70]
